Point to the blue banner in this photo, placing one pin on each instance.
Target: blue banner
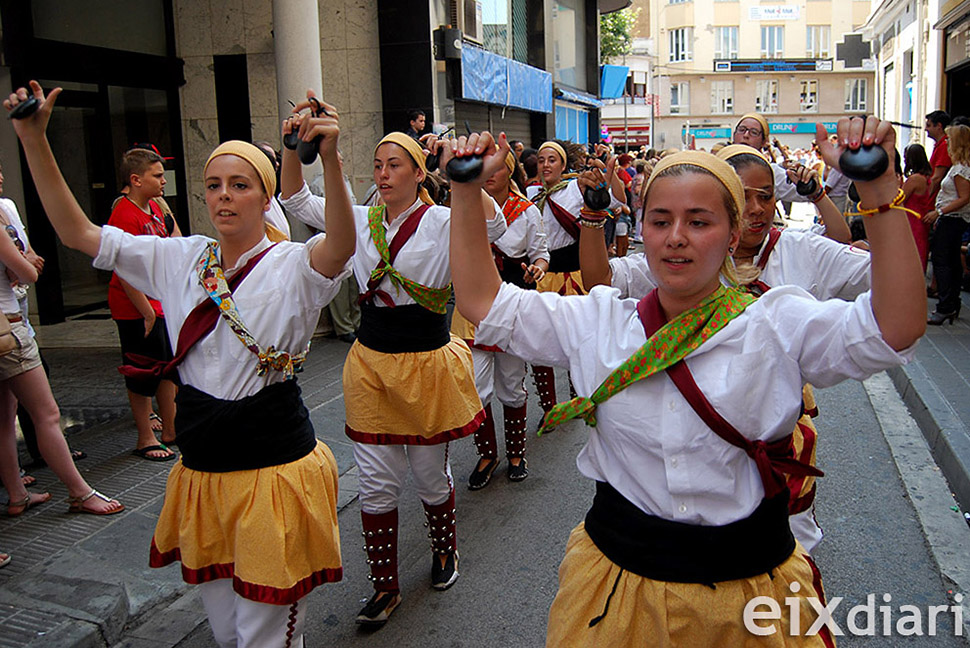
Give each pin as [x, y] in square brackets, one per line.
[494, 79]
[792, 128]
[613, 81]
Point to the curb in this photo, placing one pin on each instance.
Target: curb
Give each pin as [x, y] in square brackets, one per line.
[944, 431]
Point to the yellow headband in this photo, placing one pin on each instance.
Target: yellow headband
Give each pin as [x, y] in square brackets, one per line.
[758, 118]
[256, 158]
[732, 150]
[415, 152]
[720, 169]
[558, 149]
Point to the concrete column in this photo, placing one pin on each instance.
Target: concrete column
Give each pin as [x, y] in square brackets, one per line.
[296, 45]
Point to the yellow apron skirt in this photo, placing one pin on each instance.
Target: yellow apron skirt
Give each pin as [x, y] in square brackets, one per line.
[272, 530]
[417, 398]
[644, 612]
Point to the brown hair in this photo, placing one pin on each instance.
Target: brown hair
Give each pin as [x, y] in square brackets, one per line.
[136, 162]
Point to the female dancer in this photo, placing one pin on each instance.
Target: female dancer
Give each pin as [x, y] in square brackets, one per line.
[250, 506]
[765, 257]
[409, 385]
[949, 220]
[690, 518]
[522, 258]
[560, 200]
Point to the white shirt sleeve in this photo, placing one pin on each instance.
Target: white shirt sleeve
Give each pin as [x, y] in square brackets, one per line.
[632, 276]
[145, 262]
[307, 208]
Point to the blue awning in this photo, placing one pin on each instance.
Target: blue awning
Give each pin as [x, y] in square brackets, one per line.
[578, 97]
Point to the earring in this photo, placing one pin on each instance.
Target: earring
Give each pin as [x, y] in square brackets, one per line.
[730, 250]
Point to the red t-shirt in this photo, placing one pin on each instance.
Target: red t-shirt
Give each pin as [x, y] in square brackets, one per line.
[129, 217]
[940, 156]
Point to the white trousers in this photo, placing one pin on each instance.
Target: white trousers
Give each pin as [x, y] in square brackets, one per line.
[502, 374]
[806, 529]
[383, 469]
[238, 622]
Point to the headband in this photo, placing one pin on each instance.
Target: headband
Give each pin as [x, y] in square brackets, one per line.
[555, 146]
[733, 150]
[256, 158]
[720, 169]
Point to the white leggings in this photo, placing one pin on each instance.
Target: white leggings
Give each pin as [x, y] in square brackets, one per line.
[383, 469]
[240, 623]
[502, 374]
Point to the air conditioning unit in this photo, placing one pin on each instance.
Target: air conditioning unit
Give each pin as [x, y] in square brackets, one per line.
[466, 15]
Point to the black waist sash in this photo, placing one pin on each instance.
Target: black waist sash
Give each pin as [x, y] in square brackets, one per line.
[670, 551]
[269, 428]
[402, 329]
[510, 270]
[565, 259]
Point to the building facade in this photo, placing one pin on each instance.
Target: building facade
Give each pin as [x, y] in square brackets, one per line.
[711, 61]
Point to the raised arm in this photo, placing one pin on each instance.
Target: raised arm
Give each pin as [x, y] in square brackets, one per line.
[594, 261]
[898, 289]
[69, 221]
[330, 256]
[473, 273]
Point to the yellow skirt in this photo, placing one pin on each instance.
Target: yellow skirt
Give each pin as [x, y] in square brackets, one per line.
[422, 398]
[805, 443]
[644, 612]
[564, 283]
[273, 530]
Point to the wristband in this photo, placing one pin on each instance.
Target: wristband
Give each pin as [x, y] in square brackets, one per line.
[821, 194]
[897, 203]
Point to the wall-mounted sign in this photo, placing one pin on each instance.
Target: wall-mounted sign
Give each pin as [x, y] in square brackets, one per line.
[774, 65]
[767, 13]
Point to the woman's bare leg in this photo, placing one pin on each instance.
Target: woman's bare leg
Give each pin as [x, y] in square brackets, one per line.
[34, 392]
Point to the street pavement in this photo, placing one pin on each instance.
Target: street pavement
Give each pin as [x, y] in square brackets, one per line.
[84, 580]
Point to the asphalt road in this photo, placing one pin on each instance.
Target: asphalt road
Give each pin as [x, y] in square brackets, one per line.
[512, 537]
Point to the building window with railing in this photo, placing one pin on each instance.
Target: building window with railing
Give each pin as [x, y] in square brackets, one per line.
[725, 42]
[817, 41]
[766, 96]
[722, 97]
[855, 95]
[772, 41]
[681, 44]
[680, 98]
[808, 97]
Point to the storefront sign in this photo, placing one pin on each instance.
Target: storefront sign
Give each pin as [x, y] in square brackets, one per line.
[773, 12]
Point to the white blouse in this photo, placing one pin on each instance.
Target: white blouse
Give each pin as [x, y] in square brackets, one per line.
[823, 267]
[569, 198]
[424, 259]
[525, 237]
[648, 443]
[9, 302]
[279, 301]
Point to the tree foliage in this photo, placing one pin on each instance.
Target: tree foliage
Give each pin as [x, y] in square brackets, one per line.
[616, 37]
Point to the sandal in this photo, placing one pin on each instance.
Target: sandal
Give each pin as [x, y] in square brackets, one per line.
[156, 422]
[76, 504]
[27, 502]
[143, 453]
[4, 559]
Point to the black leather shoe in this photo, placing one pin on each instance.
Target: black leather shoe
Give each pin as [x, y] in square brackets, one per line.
[937, 319]
[444, 577]
[520, 472]
[378, 609]
[349, 338]
[481, 476]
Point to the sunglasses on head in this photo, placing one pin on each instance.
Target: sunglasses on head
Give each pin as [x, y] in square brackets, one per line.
[15, 237]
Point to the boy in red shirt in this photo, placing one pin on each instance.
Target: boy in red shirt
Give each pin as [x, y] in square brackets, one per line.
[140, 321]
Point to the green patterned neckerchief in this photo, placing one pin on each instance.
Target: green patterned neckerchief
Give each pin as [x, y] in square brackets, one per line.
[213, 280]
[672, 343]
[434, 299]
[540, 198]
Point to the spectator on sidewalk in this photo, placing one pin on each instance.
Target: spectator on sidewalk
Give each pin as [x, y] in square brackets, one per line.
[23, 379]
[416, 118]
[936, 123]
[139, 318]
